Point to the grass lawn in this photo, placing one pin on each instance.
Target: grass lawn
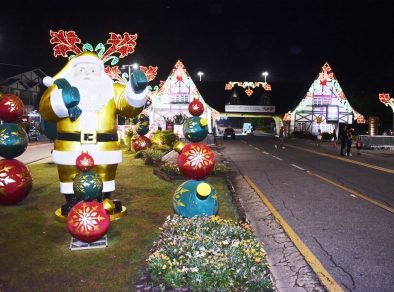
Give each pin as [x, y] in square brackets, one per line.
[35, 253]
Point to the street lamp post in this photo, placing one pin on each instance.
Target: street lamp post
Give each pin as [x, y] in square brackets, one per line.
[387, 101]
[265, 74]
[200, 74]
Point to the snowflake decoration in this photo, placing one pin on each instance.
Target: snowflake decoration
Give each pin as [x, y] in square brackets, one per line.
[86, 219]
[198, 157]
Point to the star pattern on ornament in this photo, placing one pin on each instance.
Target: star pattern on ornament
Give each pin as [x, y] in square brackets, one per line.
[3, 134]
[198, 157]
[86, 161]
[86, 219]
[85, 181]
[11, 104]
[196, 107]
[5, 179]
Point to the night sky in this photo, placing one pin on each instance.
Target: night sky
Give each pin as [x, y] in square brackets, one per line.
[227, 40]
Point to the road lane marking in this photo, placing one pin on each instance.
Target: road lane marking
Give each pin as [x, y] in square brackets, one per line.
[276, 157]
[296, 166]
[345, 159]
[256, 148]
[311, 259]
[355, 193]
[266, 153]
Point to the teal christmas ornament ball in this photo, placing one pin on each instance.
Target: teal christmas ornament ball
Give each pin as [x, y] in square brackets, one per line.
[13, 140]
[195, 129]
[195, 198]
[87, 185]
[142, 129]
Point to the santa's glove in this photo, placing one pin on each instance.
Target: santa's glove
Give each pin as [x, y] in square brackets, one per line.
[70, 93]
[74, 112]
[138, 81]
[71, 98]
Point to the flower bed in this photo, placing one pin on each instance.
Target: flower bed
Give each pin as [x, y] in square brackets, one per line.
[208, 253]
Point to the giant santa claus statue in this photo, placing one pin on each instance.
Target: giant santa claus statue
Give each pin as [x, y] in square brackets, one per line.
[84, 103]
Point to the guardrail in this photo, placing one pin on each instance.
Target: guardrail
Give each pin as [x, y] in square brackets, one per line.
[379, 142]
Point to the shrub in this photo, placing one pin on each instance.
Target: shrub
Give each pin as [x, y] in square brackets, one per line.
[170, 168]
[209, 252]
[152, 156]
[164, 138]
[139, 155]
[220, 169]
[162, 148]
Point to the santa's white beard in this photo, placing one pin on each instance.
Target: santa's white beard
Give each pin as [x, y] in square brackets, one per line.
[94, 93]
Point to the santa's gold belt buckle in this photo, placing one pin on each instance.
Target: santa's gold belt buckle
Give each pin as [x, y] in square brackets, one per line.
[88, 137]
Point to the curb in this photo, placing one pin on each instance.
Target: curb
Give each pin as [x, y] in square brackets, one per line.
[289, 270]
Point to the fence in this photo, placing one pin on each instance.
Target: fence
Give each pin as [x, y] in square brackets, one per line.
[372, 142]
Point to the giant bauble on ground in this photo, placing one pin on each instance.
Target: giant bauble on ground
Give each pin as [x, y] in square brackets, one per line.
[15, 181]
[88, 221]
[196, 160]
[11, 107]
[13, 140]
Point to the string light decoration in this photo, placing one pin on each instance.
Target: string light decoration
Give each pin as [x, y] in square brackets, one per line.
[329, 103]
[387, 101]
[68, 45]
[248, 85]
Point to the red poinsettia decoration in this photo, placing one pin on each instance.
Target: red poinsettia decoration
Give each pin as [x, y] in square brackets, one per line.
[384, 97]
[150, 72]
[114, 73]
[228, 86]
[65, 42]
[66, 45]
[124, 46]
[248, 91]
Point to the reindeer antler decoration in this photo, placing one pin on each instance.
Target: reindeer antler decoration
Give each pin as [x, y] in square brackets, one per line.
[66, 43]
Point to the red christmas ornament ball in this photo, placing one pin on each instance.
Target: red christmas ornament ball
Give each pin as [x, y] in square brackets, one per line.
[84, 162]
[11, 107]
[15, 181]
[88, 221]
[196, 108]
[196, 161]
[140, 143]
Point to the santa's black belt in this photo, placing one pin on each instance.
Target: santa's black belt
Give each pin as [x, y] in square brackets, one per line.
[87, 137]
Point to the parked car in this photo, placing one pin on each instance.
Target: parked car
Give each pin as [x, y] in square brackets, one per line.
[33, 134]
[229, 132]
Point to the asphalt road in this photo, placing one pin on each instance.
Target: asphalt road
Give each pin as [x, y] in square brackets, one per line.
[343, 211]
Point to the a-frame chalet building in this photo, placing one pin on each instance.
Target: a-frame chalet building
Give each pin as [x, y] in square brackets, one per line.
[324, 106]
[171, 100]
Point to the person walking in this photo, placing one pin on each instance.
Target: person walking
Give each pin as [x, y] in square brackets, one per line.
[281, 138]
[359, 145]
[334, 138]
[319, 137]
[343, 138]
[349, 141]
